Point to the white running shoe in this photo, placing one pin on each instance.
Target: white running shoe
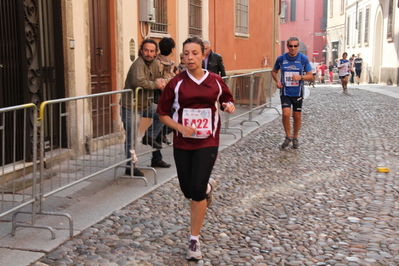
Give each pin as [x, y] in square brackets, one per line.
[194, 251]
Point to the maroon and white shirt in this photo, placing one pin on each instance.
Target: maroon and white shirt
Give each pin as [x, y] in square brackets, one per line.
[195, 103]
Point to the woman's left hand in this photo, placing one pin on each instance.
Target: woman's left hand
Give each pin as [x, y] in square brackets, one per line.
[228, 107]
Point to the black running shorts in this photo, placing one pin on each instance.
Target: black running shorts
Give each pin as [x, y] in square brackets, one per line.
[294, 102]
[194, 168]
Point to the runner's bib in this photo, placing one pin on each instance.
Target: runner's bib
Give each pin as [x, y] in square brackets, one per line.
[288, 79]
[201, 119]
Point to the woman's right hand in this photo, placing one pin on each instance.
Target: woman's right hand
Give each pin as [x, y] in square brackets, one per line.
[187, 131]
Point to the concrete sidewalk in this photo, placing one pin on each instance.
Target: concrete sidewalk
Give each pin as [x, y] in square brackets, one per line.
[94, 199]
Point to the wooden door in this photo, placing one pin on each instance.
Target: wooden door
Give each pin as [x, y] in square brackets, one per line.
[100, 57]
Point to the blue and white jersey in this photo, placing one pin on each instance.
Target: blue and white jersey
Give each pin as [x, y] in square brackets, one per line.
[289, 66]
[345, 70]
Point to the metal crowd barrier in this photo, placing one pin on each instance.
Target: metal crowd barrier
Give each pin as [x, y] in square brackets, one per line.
[92, 143]
[90, 140]
[18, 188]
[144, 118]
[252, 91]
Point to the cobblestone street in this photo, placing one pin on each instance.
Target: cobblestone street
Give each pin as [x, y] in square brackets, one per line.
[323, 204]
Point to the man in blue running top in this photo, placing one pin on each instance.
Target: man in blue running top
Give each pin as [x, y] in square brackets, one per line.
[295, 69]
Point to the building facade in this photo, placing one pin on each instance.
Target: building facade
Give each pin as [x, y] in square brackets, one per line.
[245, 33]
[371, 29]
[67, 48]
[335, 30]
[306, 20]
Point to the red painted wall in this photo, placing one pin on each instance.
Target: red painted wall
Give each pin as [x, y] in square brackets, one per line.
[309, 15]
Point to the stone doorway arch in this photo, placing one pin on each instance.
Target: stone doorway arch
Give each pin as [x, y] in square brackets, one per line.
[375, 72]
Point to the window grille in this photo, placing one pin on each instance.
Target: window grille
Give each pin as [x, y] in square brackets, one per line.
[195, 17]
[390, 21]
[161, 17]
[348, 31]
[242, 16]
[323, 20]
[359, 27]
[283, 14]
[366, 25]
[293, 10]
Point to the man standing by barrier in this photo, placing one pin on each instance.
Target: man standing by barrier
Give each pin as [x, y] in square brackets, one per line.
[213, 61]
[144, 72]
[295, 69]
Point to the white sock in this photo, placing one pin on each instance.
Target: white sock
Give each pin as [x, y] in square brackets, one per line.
[194, 238]
[208, 189]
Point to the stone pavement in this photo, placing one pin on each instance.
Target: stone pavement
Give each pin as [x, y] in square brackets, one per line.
[92, 200]
[323, 204]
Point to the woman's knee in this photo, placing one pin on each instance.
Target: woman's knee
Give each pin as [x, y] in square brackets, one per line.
[198, 193]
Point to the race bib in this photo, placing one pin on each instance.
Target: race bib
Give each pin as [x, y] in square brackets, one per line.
[288, 79]
[201, 119]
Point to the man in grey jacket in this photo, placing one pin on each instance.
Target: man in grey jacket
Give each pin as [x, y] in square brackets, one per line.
[144, 72]
[213, 61]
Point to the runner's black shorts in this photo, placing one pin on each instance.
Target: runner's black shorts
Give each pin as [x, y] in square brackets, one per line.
[358, 72]
[294, 102]
[194, 168]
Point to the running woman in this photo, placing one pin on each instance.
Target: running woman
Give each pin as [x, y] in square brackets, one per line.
[195, 96]
[344, 71]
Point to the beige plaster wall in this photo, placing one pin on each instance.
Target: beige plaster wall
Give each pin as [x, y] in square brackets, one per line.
[81, 35]
[127, 16]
